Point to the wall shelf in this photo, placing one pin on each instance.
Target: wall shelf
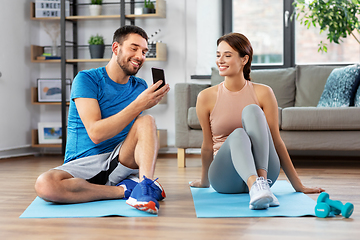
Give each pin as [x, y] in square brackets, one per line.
[35, 141]
[36, 51]
[34, 98]
[160, 13]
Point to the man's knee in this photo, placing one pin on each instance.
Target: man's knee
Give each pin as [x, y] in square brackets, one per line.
[46, 185]
[42, 186]
[146, 121]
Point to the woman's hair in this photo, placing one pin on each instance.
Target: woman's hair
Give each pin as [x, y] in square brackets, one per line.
[121, 34]
[242, 45]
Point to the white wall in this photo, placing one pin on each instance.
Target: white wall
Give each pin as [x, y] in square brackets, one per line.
[16, 112]
[189, 34]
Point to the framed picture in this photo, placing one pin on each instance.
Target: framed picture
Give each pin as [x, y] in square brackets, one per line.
[49, 90]
[49, 132]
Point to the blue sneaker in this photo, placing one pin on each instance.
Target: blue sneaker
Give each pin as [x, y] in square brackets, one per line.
[128, 184]
[146, 195]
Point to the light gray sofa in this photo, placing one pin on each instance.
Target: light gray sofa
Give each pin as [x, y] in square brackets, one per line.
[303, 126]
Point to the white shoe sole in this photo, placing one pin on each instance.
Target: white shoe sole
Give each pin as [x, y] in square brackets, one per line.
[259, 207]
[261, 203]
[149, 207]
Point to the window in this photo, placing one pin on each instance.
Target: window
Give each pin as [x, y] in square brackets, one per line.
[261, 22]
[279, 41]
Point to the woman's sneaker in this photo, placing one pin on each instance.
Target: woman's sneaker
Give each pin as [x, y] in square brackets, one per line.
[145, 196]
[275, 202]
[260, 194]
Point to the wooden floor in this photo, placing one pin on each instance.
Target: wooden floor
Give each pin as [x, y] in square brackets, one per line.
[177, 219]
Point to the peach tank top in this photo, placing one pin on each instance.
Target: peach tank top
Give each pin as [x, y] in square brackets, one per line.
[226, 115]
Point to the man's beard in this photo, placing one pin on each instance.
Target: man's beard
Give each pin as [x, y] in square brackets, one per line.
[126, 66]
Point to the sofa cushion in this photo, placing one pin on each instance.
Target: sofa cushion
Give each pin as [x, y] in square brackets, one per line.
[326, 118]
[340, 87]
[193, 121]
[310, 82]
[282, 82]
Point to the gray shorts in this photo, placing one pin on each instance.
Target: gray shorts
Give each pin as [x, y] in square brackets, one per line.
[104, 169]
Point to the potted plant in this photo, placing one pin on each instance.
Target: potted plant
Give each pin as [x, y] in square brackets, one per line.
[338, 17]
[97, 46]
[95, 7]
[148, 7]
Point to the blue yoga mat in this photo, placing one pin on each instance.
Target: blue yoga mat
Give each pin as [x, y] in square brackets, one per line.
[211, 204]
[42, 209]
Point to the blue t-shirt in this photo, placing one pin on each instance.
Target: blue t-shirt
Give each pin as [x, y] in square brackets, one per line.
[112, 98]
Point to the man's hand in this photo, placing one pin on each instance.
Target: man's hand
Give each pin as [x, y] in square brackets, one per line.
[150, 97]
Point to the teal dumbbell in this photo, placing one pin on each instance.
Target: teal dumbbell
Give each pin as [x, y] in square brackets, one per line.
[335, 211]
[321, 210]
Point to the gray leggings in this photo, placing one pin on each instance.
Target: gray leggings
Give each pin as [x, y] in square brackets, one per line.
[244, 151]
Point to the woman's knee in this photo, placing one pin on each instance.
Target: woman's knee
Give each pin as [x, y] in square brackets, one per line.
[253, 115]
[239, 133]
[252, 109]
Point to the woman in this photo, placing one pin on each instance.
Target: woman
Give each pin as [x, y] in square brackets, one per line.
[242, 149]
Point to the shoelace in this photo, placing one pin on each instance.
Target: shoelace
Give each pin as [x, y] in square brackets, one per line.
[147, 184]
[262, 183]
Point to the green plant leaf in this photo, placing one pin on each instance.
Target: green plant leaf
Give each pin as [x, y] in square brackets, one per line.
[96, 40]
[338, 17]
[96, 2]
[149, 4]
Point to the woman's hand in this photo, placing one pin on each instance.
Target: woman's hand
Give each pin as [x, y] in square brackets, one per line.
[311, 190]
[198, 184]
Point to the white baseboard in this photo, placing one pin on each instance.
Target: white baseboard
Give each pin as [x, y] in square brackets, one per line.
[28, 151]
[18, 152]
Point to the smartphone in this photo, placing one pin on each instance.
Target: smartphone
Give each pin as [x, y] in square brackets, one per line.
[158, 74]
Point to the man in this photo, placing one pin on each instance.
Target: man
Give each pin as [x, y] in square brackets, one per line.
[109, 142]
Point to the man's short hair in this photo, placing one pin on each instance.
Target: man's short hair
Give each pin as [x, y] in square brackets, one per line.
[121, 34]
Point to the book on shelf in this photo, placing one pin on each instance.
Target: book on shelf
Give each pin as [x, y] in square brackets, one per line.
[47, 57]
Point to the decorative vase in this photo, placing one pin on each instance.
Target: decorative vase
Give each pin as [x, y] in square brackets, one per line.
[95, 10]
[97, 51]
[148, 10]
[54, 49]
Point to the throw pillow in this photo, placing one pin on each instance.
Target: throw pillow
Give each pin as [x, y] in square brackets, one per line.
[340, 87]
[357, 98]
